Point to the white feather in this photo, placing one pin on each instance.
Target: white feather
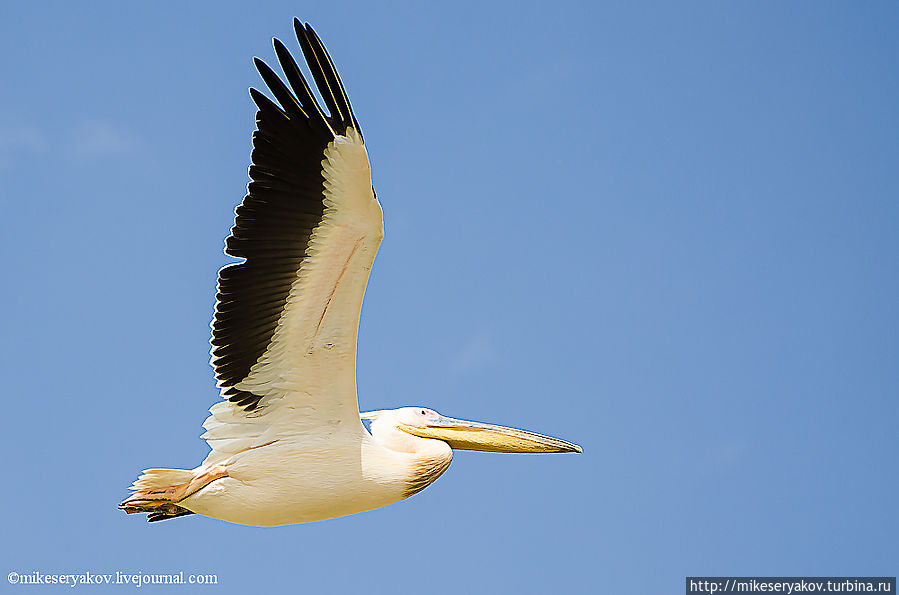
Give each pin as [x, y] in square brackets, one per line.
[308, 372]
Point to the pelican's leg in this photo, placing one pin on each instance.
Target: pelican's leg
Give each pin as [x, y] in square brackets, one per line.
[202, 480]
[155, 493]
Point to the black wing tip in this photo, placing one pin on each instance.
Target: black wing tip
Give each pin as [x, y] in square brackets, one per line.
[261, 66]
[306, 34]
[309, 30]
[326, 78]
[257, 96]
[309, 33]
[263, 69]
[264, 103]
[300, 30]
[285, 58]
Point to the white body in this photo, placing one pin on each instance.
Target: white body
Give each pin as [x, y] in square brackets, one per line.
[304, 478]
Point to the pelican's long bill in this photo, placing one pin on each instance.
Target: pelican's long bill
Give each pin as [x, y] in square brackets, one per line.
[471, 435]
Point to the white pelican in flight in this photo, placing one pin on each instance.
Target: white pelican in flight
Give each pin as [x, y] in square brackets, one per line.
[288, 442]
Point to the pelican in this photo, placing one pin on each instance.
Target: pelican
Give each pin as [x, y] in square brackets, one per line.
[288, 443]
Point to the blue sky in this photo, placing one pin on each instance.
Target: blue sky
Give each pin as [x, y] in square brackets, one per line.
[664, 231]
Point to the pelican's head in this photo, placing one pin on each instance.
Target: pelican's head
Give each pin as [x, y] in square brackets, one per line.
[400, 428]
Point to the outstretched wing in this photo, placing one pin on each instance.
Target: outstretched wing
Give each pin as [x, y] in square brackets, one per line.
[286, 318]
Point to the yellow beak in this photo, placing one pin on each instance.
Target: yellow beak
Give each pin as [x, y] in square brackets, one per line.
[472, 435]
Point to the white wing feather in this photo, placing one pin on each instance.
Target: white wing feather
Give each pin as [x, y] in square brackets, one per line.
[308, 371]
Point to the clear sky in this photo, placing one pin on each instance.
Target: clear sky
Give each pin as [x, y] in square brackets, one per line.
[668, 232]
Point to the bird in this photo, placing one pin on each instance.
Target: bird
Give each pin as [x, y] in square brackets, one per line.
[288, 443]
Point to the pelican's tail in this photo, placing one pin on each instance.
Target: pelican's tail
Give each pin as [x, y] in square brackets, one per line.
[157, 492]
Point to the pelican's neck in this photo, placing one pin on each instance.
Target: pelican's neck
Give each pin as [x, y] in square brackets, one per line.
[421, 460]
